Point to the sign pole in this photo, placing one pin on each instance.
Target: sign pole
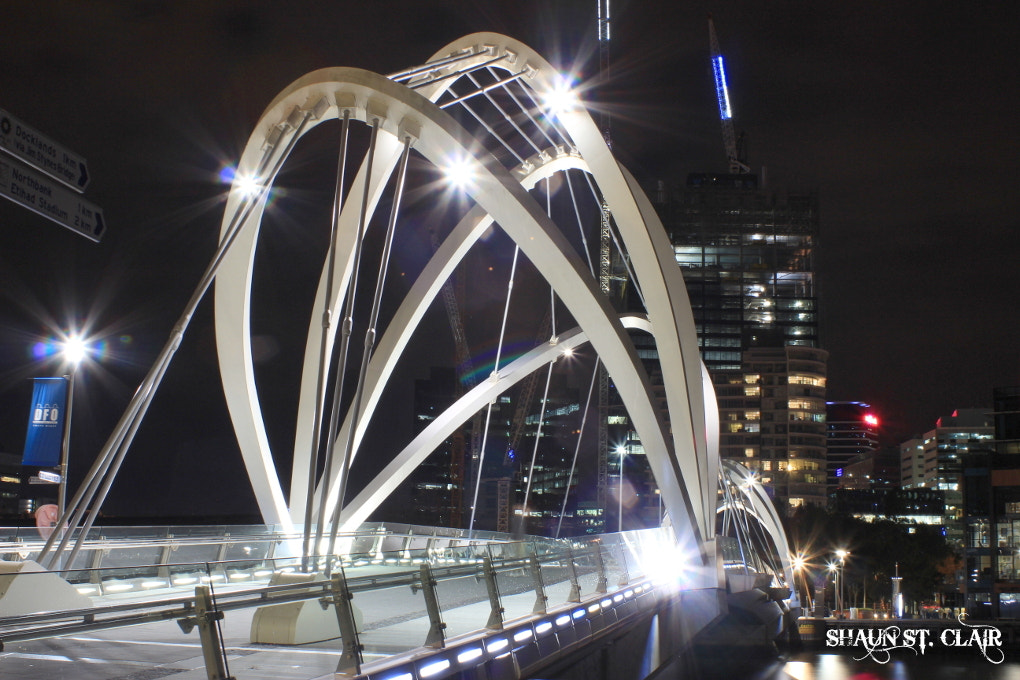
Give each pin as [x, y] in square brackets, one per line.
[65, 447]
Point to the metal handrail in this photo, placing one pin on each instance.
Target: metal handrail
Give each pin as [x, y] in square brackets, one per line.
[56, 623]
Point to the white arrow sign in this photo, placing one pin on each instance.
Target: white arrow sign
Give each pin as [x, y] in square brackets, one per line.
[42, 153]
[41, 195]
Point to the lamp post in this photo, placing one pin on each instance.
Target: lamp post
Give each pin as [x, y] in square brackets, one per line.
[799, 565]
[74, 351]
[842, 555]
[622, 451]
[834, 570]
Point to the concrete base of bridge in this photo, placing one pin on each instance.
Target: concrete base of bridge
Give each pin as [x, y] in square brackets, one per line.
[640, 650]
[26, 588]
[296, 623]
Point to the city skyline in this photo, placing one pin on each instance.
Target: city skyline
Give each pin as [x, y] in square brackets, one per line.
[899, 132]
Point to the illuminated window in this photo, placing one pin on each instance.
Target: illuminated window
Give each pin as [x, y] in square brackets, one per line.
[752, 378]
[752, 415]
[749, 453]
[752, 391]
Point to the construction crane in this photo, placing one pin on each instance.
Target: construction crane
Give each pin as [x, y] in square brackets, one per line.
[605, 270]
[466, 379]
[735, 154]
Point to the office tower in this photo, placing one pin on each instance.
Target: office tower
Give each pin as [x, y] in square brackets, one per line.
[851, 431]
[747, 258]
[772, 420]
[964, 432]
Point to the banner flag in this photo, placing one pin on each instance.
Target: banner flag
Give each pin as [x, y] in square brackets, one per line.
[46, 423]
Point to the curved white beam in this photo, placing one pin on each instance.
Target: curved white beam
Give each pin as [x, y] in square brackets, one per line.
[758, 504]
[424, 290]
[681, 465]
[417, 450]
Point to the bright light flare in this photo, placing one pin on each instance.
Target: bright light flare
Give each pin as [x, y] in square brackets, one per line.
[74, 350]
[664, 562]
[561, 98]
[70, 348]
[248, 185]
[459, 172]
[871, 419]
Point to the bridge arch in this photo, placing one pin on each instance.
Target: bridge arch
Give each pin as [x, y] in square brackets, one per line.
[684, 460]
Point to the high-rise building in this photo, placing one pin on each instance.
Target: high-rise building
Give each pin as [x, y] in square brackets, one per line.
[772, 420]
[914, 469]
[1006, 415]
[436, 486]
[872, 470]
[942, 450]
[851, 431]
[991, 508]
[747, 255]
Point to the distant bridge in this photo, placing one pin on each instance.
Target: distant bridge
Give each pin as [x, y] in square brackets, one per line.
[532, 163]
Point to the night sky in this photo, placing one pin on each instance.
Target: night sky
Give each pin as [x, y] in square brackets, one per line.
[901, 118]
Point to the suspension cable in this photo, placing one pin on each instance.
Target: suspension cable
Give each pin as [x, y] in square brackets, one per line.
[323, 374]
[348, 327]
[482, 90]
[370, 331]
[493, 376]
[577, 447]
[490, 130]
[109, 461]
[431, 66]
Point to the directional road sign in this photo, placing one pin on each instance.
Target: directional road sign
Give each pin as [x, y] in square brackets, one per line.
[47, 198]
[42, 153]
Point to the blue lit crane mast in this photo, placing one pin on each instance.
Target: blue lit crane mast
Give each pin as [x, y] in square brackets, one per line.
[735, 157]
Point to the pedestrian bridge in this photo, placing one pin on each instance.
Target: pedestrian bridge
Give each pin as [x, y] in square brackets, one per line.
[400, 602]
[483, 145]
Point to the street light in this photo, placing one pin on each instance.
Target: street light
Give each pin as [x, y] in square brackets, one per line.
[842, 555]
[74, 351]
[834, 570]
[799, 564]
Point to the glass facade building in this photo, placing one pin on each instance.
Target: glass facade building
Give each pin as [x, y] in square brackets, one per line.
[747, 255]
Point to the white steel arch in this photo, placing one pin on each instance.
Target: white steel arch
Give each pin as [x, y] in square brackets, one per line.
[753, 500]
[684, 462]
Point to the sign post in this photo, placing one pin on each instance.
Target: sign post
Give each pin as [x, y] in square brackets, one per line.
[42, 190]
[42, 153]
[44, 197]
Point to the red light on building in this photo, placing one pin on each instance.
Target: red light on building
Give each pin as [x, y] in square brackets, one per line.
[871, 419]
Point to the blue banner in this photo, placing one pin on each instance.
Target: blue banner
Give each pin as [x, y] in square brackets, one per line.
[46, 423]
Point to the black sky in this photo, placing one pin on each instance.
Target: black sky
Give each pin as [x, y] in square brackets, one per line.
[901, 115]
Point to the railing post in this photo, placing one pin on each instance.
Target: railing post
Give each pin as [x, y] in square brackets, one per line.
[625, 576]
[575, 586]
[602, 585]
[206, 617]
[436, 625]
[350, 655]
[541, 599]
[495, 621]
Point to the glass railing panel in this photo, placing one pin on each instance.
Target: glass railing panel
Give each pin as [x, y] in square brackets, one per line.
[464, 599]
[390, 620]
[514, 579]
